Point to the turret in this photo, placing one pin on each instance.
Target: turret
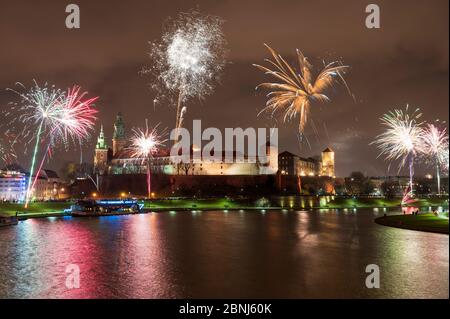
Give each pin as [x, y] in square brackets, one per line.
[328, 163]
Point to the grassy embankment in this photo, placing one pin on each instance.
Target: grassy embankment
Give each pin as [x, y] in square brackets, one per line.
[189, 204]
[423, 222]
[381, 202]
[44, 209]
[39, 209]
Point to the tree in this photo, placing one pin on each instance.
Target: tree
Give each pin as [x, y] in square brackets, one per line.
[359, 184]
[388, 189]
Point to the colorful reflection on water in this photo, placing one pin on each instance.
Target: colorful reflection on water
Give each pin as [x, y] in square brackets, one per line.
[222, 254]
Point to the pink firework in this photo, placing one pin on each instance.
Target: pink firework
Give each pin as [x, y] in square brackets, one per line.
[73, 118]
[77, 116]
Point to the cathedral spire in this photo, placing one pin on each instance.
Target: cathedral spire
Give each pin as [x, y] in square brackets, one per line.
[101, 144]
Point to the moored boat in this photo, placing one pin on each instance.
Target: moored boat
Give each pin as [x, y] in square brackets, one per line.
[106, 207]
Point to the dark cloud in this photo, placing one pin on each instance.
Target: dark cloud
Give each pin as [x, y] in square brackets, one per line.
[406, 61]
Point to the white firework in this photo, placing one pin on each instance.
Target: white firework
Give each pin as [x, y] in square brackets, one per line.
[189, 59]
[402, 139]
[435, 143]
[435, 148]
[445, 159]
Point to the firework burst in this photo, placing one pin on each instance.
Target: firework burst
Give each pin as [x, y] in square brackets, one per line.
[77, 116]
[53, 115]
[445, 163]
[144, 144]
[40, 106]
[189, 59]
[402, 139]
[296, 90]
[435, 147]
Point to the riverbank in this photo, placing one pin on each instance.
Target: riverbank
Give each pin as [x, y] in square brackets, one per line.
[35, 210]
[422, 222]
[340, 202]
[48, 209]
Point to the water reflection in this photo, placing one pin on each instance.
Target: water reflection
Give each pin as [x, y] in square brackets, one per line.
[234, 254]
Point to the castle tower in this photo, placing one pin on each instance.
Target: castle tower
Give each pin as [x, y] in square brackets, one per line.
[328, 162]
[119, 135]
[101, 153]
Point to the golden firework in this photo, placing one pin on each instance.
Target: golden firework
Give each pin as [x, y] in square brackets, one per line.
[298, 90]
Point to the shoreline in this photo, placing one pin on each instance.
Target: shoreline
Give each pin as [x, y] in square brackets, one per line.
[424, 222]
[276, 203]
[147, 210]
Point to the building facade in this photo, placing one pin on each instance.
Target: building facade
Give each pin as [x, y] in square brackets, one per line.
[13, 186]
[293, 165]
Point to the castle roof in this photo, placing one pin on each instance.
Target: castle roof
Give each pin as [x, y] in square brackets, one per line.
[327, 150]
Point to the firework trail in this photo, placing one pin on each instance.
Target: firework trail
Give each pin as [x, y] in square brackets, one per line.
[182, 113]
[144, 144]
[55, 116]
[189, 59]
[435, 147]
[7, 151]
[297, 91]
[402, 139]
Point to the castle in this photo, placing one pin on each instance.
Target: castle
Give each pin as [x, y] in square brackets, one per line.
[118, 161]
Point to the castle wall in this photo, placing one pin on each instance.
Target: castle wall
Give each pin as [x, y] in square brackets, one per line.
[178, 185]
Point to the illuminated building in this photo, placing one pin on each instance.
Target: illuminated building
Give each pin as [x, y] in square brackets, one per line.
[291, 164]
[328, 163]
[12, 186]
[119, 160]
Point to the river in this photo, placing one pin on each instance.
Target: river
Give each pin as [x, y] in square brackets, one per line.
[220, 254]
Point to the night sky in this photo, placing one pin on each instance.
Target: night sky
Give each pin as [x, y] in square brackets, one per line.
[406, 61]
